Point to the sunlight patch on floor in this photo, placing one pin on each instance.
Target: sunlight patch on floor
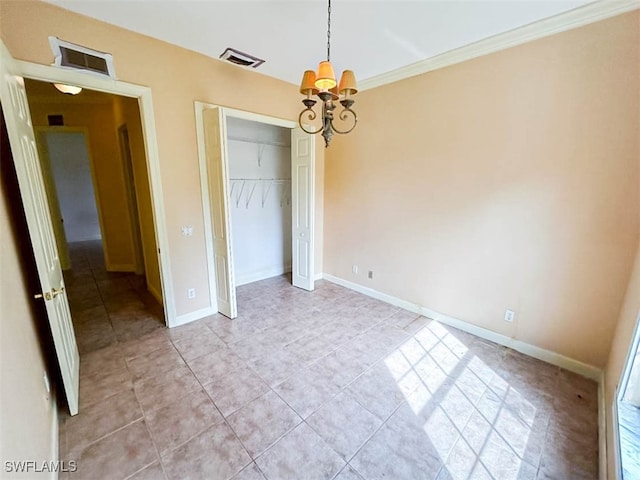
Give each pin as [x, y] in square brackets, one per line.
[472, 436]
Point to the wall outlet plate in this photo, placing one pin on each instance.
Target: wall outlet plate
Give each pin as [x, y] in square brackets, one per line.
[509, 315]
[191, 293]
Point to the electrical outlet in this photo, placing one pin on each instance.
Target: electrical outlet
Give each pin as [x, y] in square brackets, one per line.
[370, 275]
[509, 315]
[187, 230]
[191, 293]
[354, 269]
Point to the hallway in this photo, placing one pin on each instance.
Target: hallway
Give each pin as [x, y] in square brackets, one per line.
[106, 307]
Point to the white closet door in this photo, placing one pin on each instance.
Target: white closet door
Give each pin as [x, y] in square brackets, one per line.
[302, 208]
[34, 200]
[214, 133]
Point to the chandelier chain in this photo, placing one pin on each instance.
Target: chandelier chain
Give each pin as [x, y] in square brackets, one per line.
[329, 32]
[323, 84]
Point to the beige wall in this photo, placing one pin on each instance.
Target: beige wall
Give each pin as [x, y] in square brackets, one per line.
[127, 112]
[98, 118]
[27, 414]
[508, 181]
[627, 320]
[177, 78]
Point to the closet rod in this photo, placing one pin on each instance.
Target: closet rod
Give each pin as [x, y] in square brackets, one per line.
[261, 142]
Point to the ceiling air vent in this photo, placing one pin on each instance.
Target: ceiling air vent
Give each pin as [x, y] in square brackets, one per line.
[78, 57]
[240, 58]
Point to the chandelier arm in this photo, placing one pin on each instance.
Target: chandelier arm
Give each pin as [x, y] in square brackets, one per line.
[343, 116]
[312, 117]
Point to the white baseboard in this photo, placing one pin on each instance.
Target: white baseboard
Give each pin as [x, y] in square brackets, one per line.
[192, 317]
[121, 267]
[548, 356]
[318, 276]
[602, 427]
[244, 278]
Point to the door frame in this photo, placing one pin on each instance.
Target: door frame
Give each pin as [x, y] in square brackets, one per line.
[132, 198]
[619, 393]
[204, 182]
[51, 74]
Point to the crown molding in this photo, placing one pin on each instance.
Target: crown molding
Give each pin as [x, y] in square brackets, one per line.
[575, 18]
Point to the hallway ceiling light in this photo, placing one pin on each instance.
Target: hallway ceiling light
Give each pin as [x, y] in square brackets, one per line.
[324, 85]
[68, 89]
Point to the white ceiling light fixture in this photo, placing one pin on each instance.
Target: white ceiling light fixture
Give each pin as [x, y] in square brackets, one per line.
[68, 89]
[324, 85]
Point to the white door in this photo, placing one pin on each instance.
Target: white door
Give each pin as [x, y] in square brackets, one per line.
[302, 208]
[25, 156]
[214, 134]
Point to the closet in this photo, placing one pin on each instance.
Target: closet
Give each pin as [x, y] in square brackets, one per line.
[259, 195]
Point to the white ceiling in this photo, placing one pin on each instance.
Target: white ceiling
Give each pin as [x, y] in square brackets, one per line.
[369, 37]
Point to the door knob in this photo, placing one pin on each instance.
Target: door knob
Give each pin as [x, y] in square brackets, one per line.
[55, 293]
[50, 295]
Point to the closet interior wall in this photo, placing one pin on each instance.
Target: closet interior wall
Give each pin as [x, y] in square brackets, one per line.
[259, 198]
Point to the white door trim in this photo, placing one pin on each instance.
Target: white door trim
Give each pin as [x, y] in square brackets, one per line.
[204, 186]
[206, 204]
[620, 388]
[145, 101]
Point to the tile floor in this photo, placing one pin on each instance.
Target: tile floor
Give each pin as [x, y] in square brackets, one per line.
[327, 384]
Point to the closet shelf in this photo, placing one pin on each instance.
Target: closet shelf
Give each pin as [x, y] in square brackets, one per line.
[260, 142]
[260, 179]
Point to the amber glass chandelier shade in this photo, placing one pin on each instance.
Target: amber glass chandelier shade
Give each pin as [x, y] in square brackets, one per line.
[326, 78]
[308, 84]
[348, 83]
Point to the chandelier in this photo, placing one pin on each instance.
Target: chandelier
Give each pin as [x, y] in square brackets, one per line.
[324, 86]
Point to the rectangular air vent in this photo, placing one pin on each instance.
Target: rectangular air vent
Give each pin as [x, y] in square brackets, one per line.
[70, 55]
[240, 58]
[55, 120]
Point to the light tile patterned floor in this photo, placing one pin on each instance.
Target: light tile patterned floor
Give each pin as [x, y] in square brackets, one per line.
[322, 385]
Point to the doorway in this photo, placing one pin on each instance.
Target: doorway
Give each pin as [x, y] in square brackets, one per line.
[20, 129]
[68, 176]
[94, 168]
[96, 185]
[260, 194]
[217, 132]
[142, 103]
